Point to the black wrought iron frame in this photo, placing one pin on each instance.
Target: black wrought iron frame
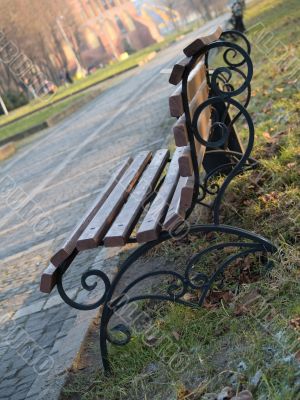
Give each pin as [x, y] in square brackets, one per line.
[221, 97]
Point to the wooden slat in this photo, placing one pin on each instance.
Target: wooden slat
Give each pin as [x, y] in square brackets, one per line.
[180, 132]
[124, 224]
[181, 202]
[50, 274]
[180, 129]
[185, 162]
[152, 223]
[70, 244]
[175, 102]
[187, 193]
[197, 76]
[178, 71]
[48, 279]
[203, 41]
[200, 96]
[97, 228]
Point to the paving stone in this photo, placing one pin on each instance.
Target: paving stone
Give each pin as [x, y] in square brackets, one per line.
[30, 309]
[67, 325]
[53, 301]
[8, 390]
[19, 395]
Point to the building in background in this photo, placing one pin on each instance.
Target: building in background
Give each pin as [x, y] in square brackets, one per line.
[104, 29]
[164, 17]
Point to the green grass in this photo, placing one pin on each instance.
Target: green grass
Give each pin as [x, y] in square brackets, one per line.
[230, 342]
[40, 116]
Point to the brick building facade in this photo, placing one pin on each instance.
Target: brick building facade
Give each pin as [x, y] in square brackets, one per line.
[104, 29]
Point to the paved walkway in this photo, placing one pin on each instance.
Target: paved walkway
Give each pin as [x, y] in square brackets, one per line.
[43, 190]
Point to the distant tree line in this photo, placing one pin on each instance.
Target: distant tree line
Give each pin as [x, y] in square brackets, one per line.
[31, 43]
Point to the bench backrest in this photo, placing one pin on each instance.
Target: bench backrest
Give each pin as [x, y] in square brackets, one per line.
[198, 90]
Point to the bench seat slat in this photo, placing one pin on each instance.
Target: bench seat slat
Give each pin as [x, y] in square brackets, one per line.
[181, 202]
[48, 279]
[50, 274]
[152, 223]
[122, 227]
[70, 244]
[97, 228]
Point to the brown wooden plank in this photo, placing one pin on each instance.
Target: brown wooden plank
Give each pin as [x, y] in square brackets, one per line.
[187, 193]
[50, 274]
[175, 102]
[180, 203]
[125, 222]
[202, 41]
[152, 223]
[178, 70]
[180, 129]
[70, 244]
[185, 162]
[48, 279]
[197, 76]
[97, 228]
[180, 132]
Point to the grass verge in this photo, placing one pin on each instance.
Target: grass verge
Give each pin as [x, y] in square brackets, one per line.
[46, 114]
[249, 341]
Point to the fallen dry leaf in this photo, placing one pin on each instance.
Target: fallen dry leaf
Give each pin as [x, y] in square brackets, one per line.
[182, 393]
[240, 310]
[268, 137]
[176, 335]
[279, 90]
[190, 297]
[295, 322]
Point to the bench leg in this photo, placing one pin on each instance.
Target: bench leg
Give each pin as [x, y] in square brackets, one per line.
[190, 282]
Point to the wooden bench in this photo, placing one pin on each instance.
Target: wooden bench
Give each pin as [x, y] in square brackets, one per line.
[151, 195]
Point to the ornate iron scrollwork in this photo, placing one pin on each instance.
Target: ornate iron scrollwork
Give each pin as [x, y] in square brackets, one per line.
[224, 96]
[192, 281]
[88, 287]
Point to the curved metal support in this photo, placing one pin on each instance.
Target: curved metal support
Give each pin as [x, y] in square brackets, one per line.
[222, 92]
[221, 141]
[189, 281]
[231, 51]
[86, 286]
[232, 33]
